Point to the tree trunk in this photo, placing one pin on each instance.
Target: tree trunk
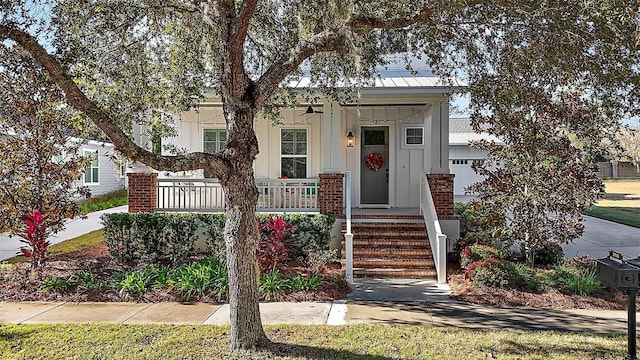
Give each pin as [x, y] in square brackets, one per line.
[241, 231]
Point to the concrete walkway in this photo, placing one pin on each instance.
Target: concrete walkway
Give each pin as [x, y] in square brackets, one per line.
[9, 246]
[371, 301]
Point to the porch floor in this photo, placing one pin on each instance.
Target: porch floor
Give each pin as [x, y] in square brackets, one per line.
[385, 211]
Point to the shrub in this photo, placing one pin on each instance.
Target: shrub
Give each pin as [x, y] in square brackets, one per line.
[479, 253]
[574, 278]
[214, 234]
[316, 259]
[310, 233]
[492, 272]
[273, 247]
[150, 238]
[170, 238]
[480, 226]
[35, 234]
[549, 254]
[529, 279]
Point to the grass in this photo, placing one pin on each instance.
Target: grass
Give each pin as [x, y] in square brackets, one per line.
[371, 341]
[75, 244]
[620, 204]
[106, 201]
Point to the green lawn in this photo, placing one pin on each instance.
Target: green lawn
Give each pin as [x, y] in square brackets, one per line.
[374, 341]
[80, 242]
[620, 204]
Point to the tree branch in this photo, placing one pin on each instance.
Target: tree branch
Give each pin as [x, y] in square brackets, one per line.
[79, 100]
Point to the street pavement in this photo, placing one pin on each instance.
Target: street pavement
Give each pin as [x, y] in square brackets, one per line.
[600, 236]
[9, 246]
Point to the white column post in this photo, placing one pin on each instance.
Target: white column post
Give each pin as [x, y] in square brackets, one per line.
[331, 138]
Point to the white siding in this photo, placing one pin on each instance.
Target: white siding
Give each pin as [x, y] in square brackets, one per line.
[109, 177]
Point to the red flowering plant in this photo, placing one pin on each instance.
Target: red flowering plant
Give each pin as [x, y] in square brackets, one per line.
[274, 243]
[35, 234]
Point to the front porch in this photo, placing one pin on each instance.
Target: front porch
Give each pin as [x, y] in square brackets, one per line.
[414, 237]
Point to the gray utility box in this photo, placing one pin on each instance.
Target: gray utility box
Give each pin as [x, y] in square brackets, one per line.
[617, 273]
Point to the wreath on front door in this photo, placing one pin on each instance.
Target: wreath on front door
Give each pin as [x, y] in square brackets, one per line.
[374, 161]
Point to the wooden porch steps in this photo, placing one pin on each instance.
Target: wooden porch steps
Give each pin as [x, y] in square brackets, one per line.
[391, 247]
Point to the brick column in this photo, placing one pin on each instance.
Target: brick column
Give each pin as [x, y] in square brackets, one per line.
[331, 196]
[143, 192]
[441, 186]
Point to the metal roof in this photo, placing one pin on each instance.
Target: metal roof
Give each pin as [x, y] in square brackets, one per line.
[461, 133]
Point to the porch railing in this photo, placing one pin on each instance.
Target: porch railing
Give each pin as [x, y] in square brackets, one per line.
[206, 195]
[437, 239]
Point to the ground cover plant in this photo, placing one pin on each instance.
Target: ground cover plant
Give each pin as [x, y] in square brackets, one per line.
[103, 202]
[373, 341]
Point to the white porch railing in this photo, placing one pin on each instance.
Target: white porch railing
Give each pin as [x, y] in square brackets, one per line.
[437, 239]
[206, 195]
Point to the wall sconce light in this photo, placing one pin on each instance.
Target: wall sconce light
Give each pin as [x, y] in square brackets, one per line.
[350, 139]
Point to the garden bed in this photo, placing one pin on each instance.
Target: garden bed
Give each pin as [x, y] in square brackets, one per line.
[96, 268]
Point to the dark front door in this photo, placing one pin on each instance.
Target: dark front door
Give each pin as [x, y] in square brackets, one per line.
[374, 165]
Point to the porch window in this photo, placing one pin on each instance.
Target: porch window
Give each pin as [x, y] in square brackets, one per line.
[293, 153]
[91, 173]
[213, 141]
[413, 136]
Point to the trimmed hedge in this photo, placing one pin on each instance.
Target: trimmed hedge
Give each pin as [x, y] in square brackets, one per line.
[170, 238]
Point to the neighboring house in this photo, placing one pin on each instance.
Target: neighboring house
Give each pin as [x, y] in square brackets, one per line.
[388, 143]
[462, 156]
[106, 173]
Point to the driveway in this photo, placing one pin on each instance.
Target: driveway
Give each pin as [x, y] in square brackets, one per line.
[9, 245]
[600, 236]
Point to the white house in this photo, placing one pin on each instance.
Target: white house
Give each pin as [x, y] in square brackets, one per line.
[386, 153]
[462, 156]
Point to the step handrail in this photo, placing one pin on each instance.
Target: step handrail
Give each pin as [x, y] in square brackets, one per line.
[348, 236]
[437, 239]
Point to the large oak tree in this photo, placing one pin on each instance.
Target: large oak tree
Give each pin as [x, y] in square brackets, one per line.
[116, 60]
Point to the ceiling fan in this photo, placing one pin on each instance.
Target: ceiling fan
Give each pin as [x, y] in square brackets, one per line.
[310, 110]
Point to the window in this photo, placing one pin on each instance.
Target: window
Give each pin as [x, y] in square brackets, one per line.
[91, 173]
[414, 136]
[459, 162]
[214, 140]
[293, 150]
[57, 159]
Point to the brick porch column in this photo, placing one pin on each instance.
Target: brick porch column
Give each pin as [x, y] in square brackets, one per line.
[441, 186]
[143, 192]
[330, 196]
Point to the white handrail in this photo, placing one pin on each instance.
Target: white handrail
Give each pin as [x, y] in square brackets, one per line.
[348, 236]
[437, 239]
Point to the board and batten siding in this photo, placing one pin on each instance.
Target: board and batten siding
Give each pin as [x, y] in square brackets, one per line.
[190, 132]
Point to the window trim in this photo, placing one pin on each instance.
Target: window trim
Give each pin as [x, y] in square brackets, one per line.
[306, 156]
[405, 136]
[91, 153]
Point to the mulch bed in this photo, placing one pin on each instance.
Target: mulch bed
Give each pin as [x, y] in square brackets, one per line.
[19, 284]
